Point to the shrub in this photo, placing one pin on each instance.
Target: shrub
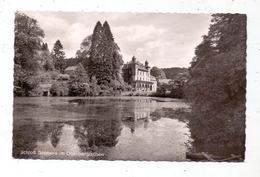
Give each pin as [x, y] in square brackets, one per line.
[59, 89]
[55, 90]
[94, 90]
[36, 92]
[63, 77]
[104, 87]
[105, 93]
[54, 74]
[131, 94]
[18, 91]
[176, 93]
[161, 90]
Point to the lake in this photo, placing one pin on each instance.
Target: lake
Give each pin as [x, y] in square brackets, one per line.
[98, 128]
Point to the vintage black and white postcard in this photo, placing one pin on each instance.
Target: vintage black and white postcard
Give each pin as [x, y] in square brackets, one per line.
[129, 86]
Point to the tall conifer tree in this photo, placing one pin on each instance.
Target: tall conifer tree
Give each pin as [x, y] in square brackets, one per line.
[58, 56]
[116, 57]
[105, 60]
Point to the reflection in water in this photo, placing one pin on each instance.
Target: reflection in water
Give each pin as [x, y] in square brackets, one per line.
[66, 143]
[24, 137]
[139, 116]
[117, 128]
[95, 133]
[163, 140]
[55, 135]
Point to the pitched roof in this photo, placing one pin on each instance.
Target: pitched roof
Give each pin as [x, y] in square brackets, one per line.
[70, 68]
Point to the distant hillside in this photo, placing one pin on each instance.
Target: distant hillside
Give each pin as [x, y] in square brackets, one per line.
[170, 73]
[72, 61]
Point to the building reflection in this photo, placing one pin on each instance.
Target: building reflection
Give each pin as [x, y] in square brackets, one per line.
[101, 127]
[139, 116]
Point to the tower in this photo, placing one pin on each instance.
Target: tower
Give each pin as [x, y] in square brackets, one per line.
[146, 64]
[148, 69]
[133, 59]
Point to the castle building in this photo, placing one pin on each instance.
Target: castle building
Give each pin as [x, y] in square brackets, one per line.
[138, 76]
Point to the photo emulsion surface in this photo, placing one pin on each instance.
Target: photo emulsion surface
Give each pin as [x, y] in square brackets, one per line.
[129, 86]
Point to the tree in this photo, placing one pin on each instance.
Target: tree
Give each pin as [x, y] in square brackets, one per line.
[100, 64]
[28, 36]
[58, 56]
[100, 56]
[27, 42]
[94, 87]
[84, 50]
[117, 59]
[79, 82]
[217, 88]
[157, 73]
[172, 72]
[105, 61]
[108, 32]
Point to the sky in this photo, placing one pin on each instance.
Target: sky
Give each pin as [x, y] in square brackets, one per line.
[163, 39]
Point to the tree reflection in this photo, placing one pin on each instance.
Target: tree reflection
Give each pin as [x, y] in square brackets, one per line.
[27, 132]
[52, 130]
[102, 130]
[24, 137]
[97, 132]
[55, 134]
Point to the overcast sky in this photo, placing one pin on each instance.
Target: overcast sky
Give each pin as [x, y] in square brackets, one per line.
[163, 39]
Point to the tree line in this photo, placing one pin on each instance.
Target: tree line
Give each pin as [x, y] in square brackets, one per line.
[174, 71]
[98, 62]
[216, 90]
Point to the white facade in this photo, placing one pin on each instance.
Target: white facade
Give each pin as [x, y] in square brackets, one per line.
[138, 76]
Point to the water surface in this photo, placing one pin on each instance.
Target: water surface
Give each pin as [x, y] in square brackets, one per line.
[109, 128]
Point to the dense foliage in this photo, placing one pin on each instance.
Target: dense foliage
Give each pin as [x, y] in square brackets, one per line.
[174, 88]
[173, 72]
[28, 38]
[79, 82]
[73, 61]
[169, 90]
[28, 57]
[98, 63]
[217, 88]
[59, 89]
[105, 61]
[157, 73]
[84, 50]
